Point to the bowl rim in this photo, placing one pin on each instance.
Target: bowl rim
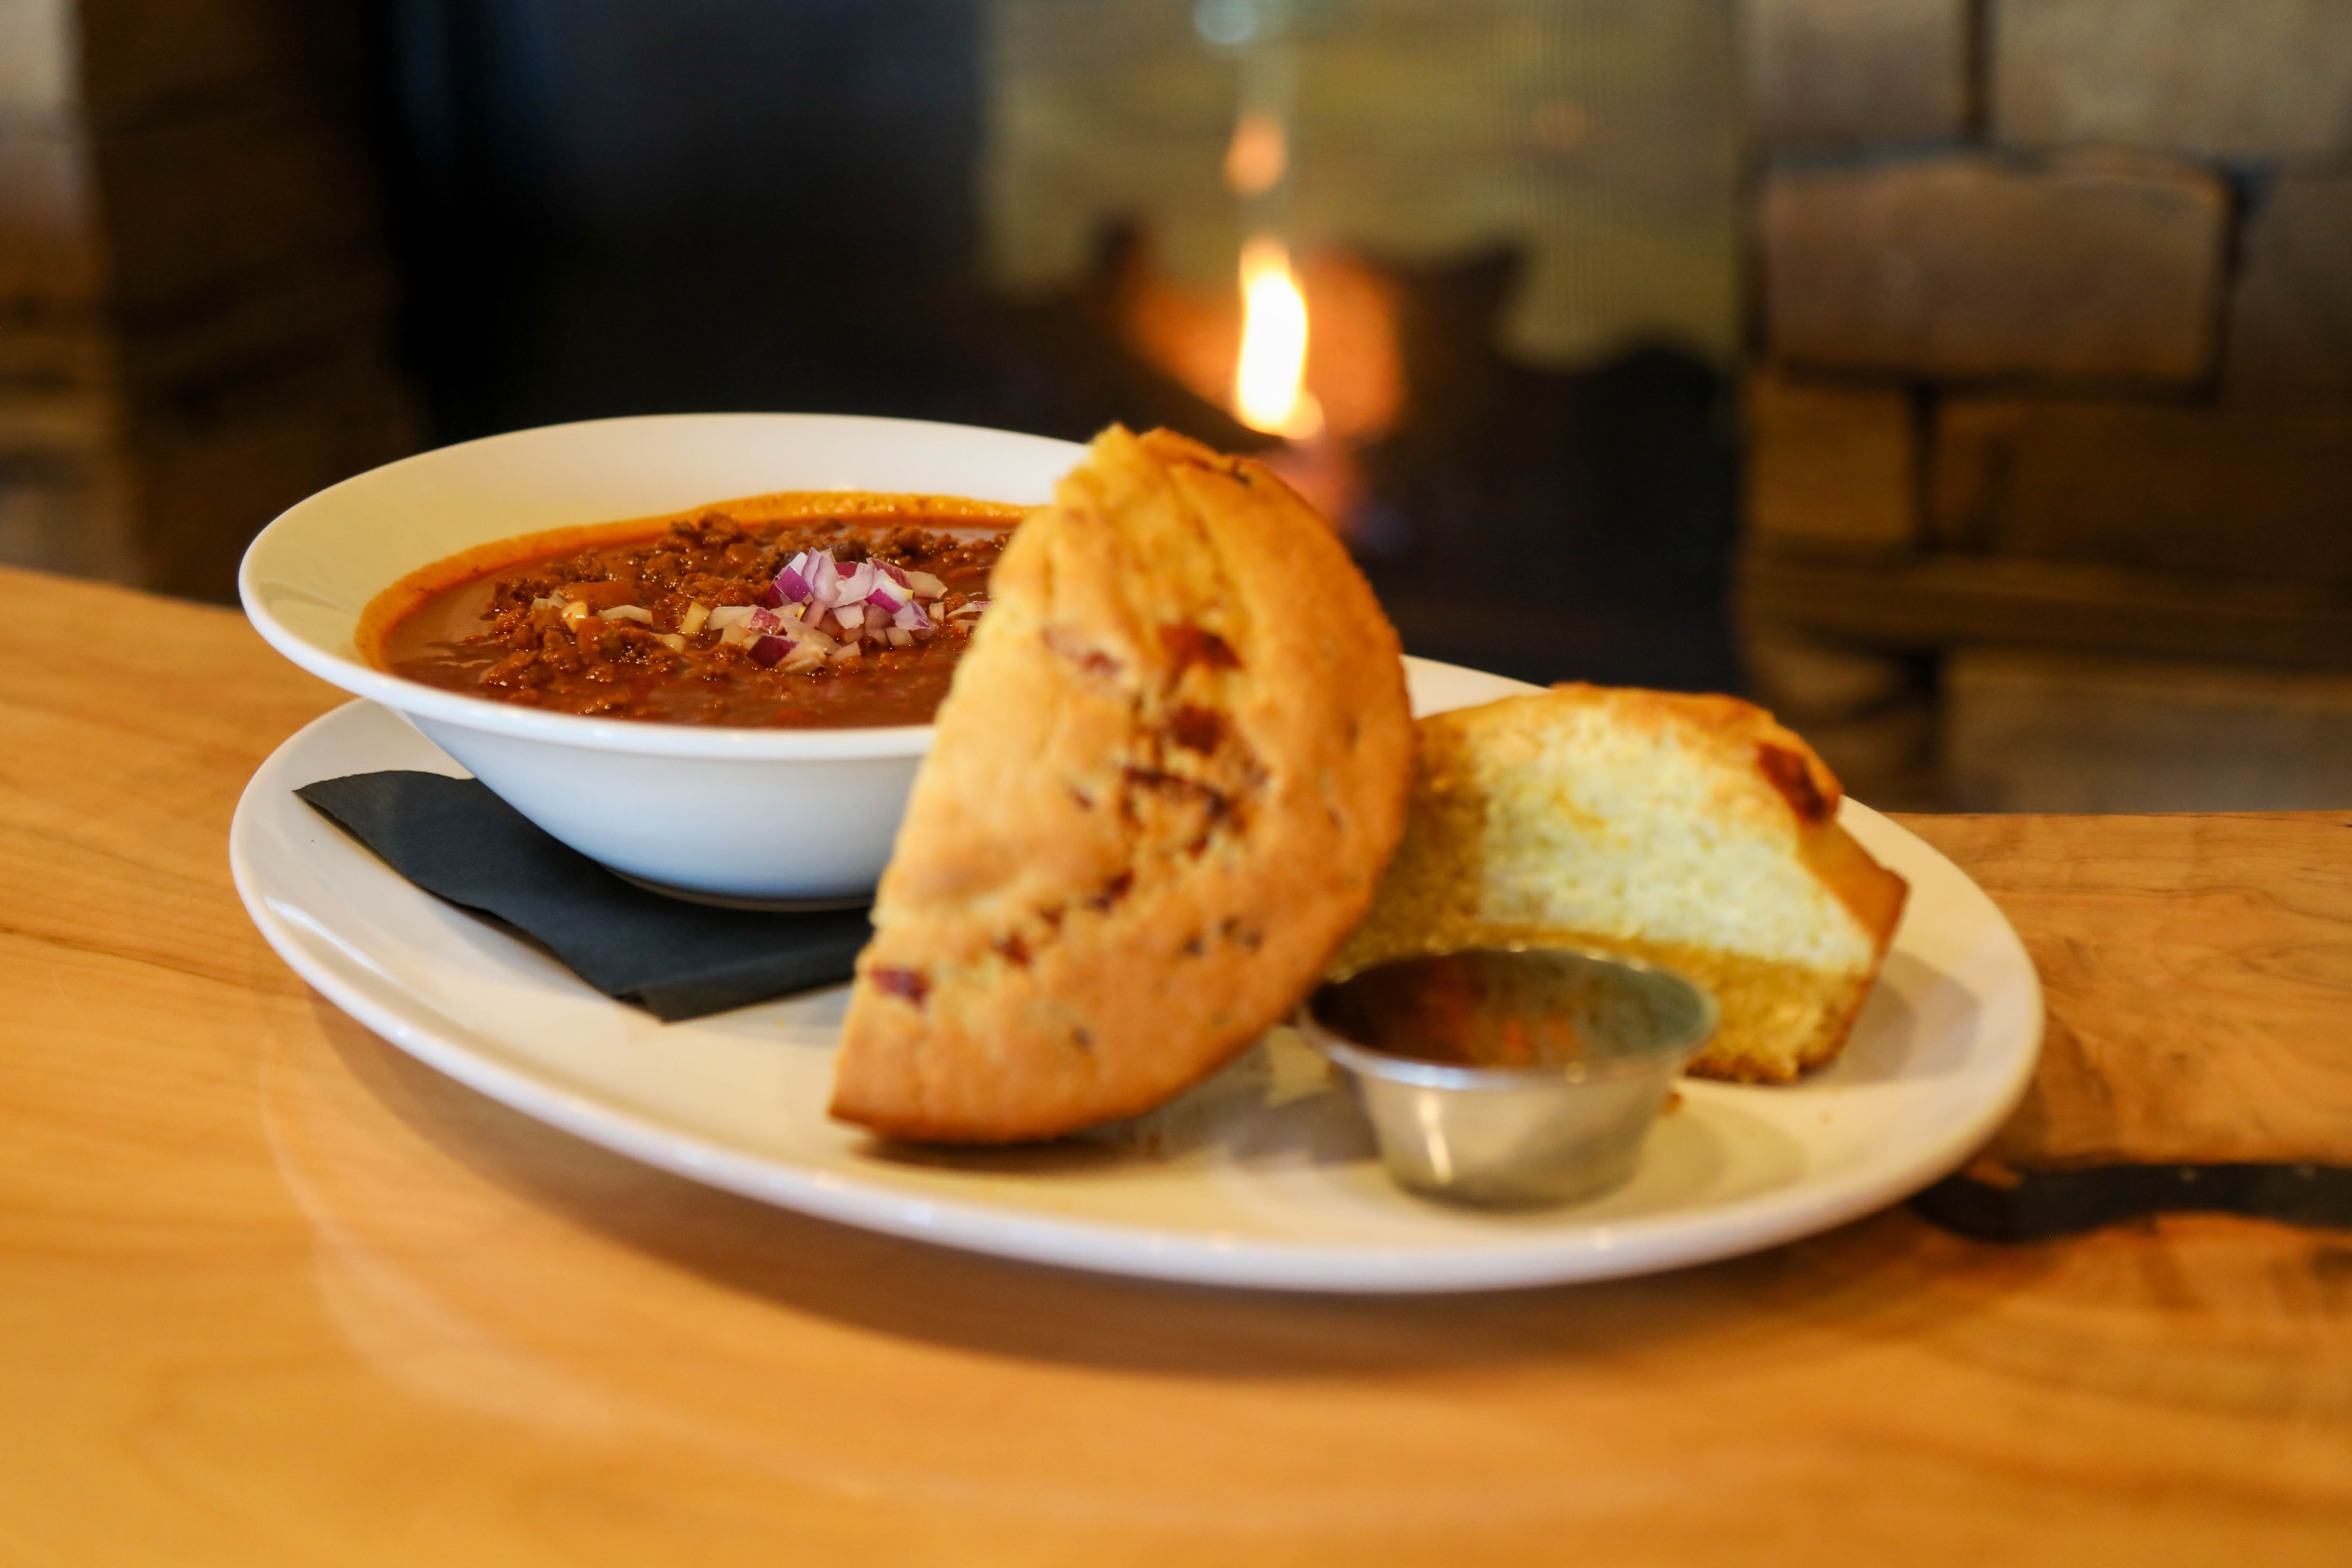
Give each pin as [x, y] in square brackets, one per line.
[639, 737]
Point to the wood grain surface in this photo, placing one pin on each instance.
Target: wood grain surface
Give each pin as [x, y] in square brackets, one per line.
[272, 1293]
[2200, 975]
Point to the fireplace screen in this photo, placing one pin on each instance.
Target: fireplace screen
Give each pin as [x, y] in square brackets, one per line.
[1970, 381]
[1468, 275]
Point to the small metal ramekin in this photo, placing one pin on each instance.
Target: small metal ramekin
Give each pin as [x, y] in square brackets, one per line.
[1559, 1124]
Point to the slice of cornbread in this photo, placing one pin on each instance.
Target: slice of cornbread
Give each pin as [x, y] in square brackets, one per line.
[1161, 791]
[1692, 831]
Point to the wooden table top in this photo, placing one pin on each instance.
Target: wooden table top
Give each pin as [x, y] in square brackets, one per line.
[270, 1292]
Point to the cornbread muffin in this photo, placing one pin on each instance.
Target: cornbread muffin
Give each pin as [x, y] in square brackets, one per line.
[1161, 790]
[1692, 831]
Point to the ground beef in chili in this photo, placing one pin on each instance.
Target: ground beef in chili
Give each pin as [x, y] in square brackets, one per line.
[513, 635]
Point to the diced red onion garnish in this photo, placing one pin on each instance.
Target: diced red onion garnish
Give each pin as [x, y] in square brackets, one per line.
[969, 607]
[821, 575]
[872, 601]
[628, 612]
[857, 584]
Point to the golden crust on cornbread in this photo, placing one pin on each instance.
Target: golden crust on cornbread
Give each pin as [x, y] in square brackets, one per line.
[1161, 791]
[1692, 831]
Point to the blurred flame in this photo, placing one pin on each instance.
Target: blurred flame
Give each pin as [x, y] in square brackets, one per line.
[1355, 365]
[1258, 155]
[1270, 381]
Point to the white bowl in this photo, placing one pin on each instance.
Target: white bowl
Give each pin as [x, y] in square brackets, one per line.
[756, 815]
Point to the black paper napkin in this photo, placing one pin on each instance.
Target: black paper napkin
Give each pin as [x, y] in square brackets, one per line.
[457, 841]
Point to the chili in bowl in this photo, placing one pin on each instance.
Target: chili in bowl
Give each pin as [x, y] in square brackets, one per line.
[810, 610]
[725, 698]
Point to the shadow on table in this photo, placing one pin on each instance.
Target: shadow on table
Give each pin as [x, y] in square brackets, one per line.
[1863, 1277]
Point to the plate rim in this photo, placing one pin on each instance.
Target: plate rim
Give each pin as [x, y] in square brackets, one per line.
[1752, 1223]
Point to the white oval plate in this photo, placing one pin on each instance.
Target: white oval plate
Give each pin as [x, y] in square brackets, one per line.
[1263, 1176]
